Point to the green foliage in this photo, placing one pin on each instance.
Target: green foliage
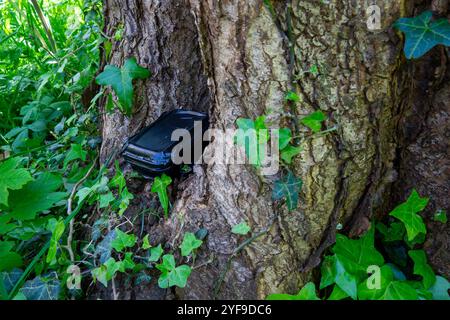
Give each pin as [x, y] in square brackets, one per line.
[290, 152]
[422, 268]
[11, 178]
[356, 269]
[121, 80]
[189, 244]
[159, 186]
[422, 34]
[253, 136]
[123, 240]
[48, 128]
[156, 253]
[41, 196]
[145, 243]
[357, 255]
[42, 288]
[350, 261]
[397, 290]
[76, 152]
[288, 188]
[8, 259]
[241, 228]
[308, 292]
[284, 137]
[172, 275]
[407, 213]
[292, 96]
[314, 121]
[56, 227]
[108, 270]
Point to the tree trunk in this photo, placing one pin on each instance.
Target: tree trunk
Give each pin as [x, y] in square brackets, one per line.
[234, 59]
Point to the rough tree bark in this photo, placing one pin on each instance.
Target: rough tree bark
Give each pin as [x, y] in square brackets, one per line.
[233, 59]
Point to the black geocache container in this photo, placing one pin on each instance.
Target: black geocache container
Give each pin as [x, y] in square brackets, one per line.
[149, 151]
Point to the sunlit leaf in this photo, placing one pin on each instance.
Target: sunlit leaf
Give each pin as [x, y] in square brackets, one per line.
[190, 243]
[12, 178]
[314, 121]
[241, 228]
[407, 213]
[121, 80]
[123, 240]
[159, 186]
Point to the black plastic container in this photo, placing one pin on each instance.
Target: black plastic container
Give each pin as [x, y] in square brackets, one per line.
[149, 151]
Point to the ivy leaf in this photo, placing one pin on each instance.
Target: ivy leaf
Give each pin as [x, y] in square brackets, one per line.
[10, 278]
[345, 280]
[145, 243]
[422, 268]
[159, 186]
[12, 178]
[288, 188]
[241, 228]
[76, 152]
[123, 240]
[440, 289]
[422, 34]
[338, 294]
[284, 137]
[106, 271]
[252, 136]
[40, 196]
[105, 199]
[289, 152]
[314, 69]
[125, 198]
[42, 288]
[292, 96]
[172, 275]
[314, 121]
[8, 259]
[397, 290]
[440, 216]
[328, 271]
[357, 255]
[118, 180]
[407, 213]
[308, 292]
[127, 263]
[155, 253]
[57, 228]
[6, 227]
[386, 277]
[121, 80]
[190, 243]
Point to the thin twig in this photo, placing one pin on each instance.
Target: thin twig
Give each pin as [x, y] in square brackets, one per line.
[69, 210]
